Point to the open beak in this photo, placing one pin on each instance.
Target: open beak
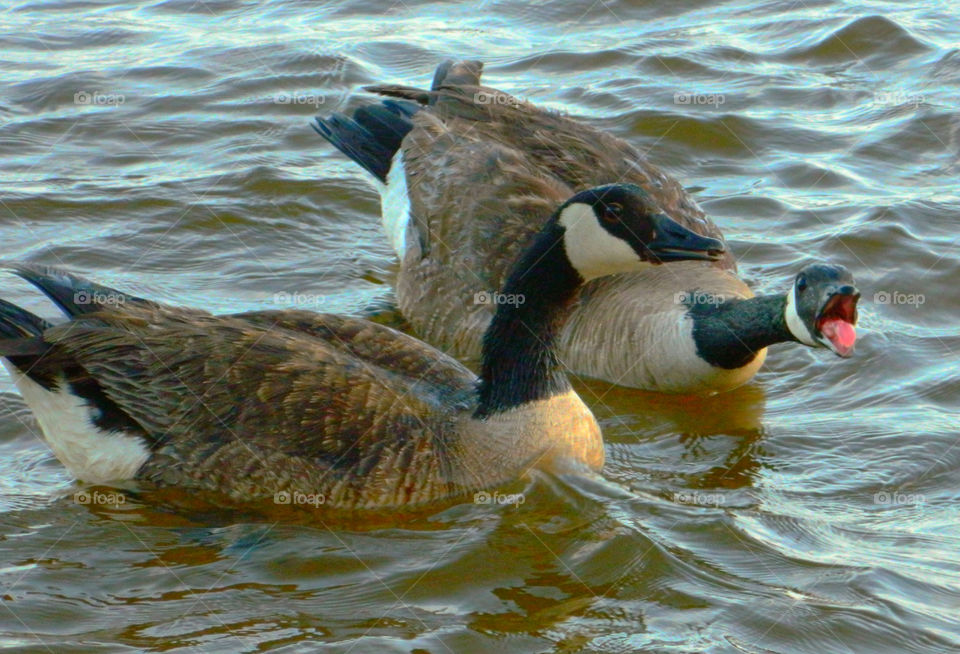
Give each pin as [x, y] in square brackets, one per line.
[674, 242]
[837, 320]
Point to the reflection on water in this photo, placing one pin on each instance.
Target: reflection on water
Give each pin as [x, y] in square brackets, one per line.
[164, 149]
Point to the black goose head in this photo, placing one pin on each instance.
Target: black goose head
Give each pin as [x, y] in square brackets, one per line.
[618, 228]
[821, 309]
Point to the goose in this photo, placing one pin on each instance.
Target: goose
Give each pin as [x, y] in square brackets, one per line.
[693, 327]
[351, 412]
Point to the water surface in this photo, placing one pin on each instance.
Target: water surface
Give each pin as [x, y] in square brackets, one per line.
[165, 150]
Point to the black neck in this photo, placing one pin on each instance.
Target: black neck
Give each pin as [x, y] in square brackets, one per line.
[729, 335]
[519, 361]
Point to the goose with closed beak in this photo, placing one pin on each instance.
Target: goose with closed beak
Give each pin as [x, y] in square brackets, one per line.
[447, 158]
[366, 417]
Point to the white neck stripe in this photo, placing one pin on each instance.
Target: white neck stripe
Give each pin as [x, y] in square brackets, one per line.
[794, 323]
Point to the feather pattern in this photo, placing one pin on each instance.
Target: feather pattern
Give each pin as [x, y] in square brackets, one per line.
[258, 403]
[484, 171]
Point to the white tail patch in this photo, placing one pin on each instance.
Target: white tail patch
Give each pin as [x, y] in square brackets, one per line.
[395, 205]
[89, 453]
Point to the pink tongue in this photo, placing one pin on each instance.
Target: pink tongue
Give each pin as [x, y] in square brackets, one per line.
[841, 333]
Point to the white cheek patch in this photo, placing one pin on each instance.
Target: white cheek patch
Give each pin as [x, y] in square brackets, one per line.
[395, 205]
[794, 323]
[592, 250]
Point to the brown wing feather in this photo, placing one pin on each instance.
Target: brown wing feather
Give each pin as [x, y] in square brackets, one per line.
[480, 153]
[574, 153]
[274, 401]
[506, 199]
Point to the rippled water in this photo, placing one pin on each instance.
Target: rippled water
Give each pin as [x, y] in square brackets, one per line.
[165, 150]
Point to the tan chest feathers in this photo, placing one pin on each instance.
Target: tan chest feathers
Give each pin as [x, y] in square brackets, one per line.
[555, 434]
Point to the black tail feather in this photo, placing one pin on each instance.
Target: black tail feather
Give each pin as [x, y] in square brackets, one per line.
[457, 73]
[73, 294]
[21, 341]
[20, 323]
[23, 345]
[449, 76]
[402, 107]
[440, 74]
[372, 136]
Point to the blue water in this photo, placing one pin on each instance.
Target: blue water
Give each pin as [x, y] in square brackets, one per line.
[165, 150]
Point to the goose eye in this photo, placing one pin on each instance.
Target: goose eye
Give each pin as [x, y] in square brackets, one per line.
[802, 284]
[612, 212]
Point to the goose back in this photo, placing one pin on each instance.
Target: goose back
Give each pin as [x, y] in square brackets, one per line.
[482, 177]
[259, 403]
